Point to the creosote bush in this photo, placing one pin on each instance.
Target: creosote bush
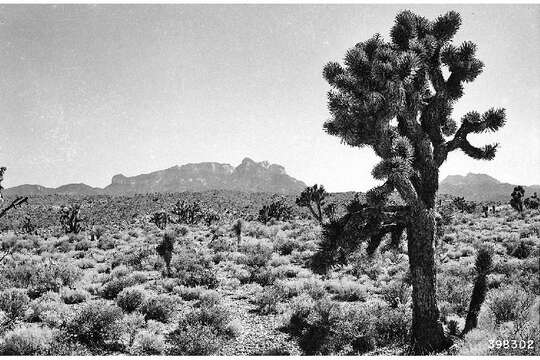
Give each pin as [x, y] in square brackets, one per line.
[96, 325]
[131, 298]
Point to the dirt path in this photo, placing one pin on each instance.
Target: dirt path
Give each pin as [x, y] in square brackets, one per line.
[259, 333]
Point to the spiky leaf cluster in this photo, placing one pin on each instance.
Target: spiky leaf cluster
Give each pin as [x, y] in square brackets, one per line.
[393, 97]
[313, 198]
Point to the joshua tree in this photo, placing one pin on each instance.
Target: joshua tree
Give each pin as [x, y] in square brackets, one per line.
[277, 210]
[313, 198]
[160, 219]
[483, 265]
[237, 227]
[394, 97]
[165, 249]
[188, 213]
[517, 198]
[19, 200]
[532, 203]
[70, 219]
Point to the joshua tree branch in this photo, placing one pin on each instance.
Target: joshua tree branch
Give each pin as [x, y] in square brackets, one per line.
[17, 202]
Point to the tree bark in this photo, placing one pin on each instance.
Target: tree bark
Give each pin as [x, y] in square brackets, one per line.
[427, 334]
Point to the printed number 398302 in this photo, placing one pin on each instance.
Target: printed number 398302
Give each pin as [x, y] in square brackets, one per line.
[511, 344]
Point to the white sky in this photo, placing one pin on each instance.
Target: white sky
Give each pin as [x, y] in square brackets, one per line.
[91, 91]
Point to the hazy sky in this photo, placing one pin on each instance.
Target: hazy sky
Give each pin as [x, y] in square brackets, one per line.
[91, 91]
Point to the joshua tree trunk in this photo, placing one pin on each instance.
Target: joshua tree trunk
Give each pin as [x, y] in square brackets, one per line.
[427, 332]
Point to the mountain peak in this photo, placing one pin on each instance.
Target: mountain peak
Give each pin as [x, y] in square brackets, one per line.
[479, 187]
[249, 176]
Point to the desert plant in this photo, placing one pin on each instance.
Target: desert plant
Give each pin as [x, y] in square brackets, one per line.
[74, 296]
[276, 210]
[97, 232]
[532, 202]
[202, 331]
[165, 249]
[14, 302]
[194, 267]
[517, 198]
[27, 225]
[313, 198]
[32, 340]
[483, 266]
[160, 219]
[237, 228]
[96, 324]
[210, 216]
[188, 213]
[403, 81]
[70, 218]
[19, 200]
[157, 307]
[131, 298]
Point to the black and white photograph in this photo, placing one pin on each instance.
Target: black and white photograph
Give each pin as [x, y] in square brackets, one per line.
[270, 179]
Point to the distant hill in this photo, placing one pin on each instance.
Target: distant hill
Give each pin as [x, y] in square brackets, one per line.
[249, 176]
[481, 187]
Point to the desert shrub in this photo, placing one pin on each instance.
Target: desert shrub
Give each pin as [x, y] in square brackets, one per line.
[38, 277]
[316, 338]
[390, 325]
[97, 232]
[456, 291]
[131, 324]
[507, 304]
[147, 343]
[74, 296]
[347, 290]
[130, 298]
[96, 324]
[222, 244]
[310, 286]
[268, 300]
[14, 303]
[32, 340]
[209, 298]
[188, 293]
[258, 252]
[285, 245]
[239, 272]
[49, 309]
[137, 257]
[262, 275]
[85, 263]
[202, 331]
[114, 286]
[194, 339]
[83, 245]
[106, 243]
[326, 327]
[521, 250]
[396, 292]
[158, 307]
[300, 308]
[193, 267]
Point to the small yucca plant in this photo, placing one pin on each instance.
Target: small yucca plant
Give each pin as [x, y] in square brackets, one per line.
[165, 249]
[483, 266]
